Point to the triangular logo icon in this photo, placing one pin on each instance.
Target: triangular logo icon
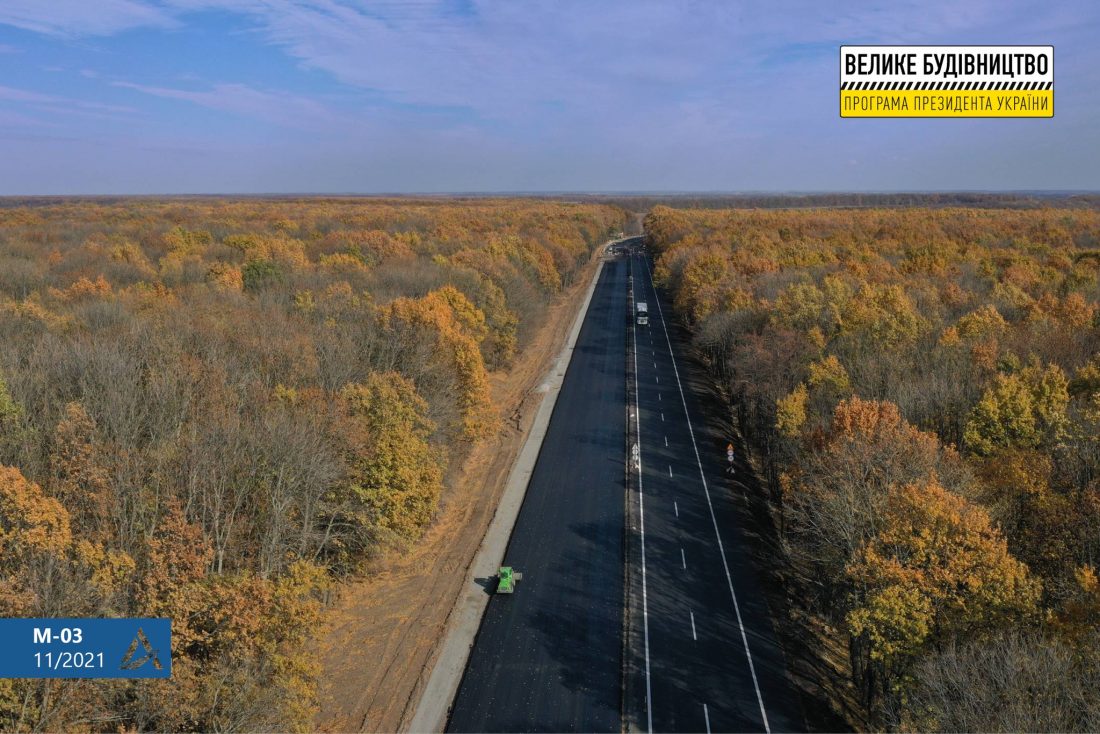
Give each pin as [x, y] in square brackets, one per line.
[130, 661]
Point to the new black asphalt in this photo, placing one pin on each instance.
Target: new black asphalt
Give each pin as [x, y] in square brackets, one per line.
[549, 657]
[707, 617]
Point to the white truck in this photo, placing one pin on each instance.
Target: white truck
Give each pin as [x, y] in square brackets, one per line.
[643, 313]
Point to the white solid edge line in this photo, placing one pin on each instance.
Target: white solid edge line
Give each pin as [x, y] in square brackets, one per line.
[641, 516]
[713, 518]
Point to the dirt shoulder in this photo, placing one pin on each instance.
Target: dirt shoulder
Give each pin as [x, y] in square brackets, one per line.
[383, 633]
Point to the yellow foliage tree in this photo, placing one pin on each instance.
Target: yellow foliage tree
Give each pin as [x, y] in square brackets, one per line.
[225, 276]
[937, 566]
[790, 412]
[982, 323]
[396, 475]
[1021, 410]
[433, 317]
[884, 314]
[34, 535]
[702, 284]
[829, 374]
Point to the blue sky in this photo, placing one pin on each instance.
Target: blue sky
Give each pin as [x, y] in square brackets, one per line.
[254, 96]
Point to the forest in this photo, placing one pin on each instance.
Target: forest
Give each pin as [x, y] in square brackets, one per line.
[214, 410]
[642, 203]
[921, 390]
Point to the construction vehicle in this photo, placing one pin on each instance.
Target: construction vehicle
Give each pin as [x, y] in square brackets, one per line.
[506, 580]
[643, 313]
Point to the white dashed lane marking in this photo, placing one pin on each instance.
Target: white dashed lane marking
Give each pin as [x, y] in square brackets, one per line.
[641, 523]
[714, 522]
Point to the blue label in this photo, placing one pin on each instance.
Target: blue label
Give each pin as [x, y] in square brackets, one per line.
[85, 648]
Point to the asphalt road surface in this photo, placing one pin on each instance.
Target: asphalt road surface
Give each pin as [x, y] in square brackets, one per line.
[548, 658]
[714, 663]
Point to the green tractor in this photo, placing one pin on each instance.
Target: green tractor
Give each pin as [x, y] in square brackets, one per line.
[506, 580]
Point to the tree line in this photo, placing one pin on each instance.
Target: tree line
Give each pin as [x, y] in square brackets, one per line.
[212, 410]
[924, 388]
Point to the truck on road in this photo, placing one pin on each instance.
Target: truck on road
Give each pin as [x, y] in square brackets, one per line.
[643, 313]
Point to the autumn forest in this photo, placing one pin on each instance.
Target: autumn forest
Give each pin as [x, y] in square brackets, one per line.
[219, 410]
[921, 390]
[213, 410]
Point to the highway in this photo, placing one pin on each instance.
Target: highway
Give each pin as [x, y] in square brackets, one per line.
[550, 657]
[714, 663]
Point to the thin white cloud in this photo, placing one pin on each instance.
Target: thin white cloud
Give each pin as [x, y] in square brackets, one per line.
[14, 120]
[58, 104]
[506, 60]
[466, 94]
[515, 61]
[10, 94]
[81, 18]
[277, 108]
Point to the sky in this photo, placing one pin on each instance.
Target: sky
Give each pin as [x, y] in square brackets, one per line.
[389, 96]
